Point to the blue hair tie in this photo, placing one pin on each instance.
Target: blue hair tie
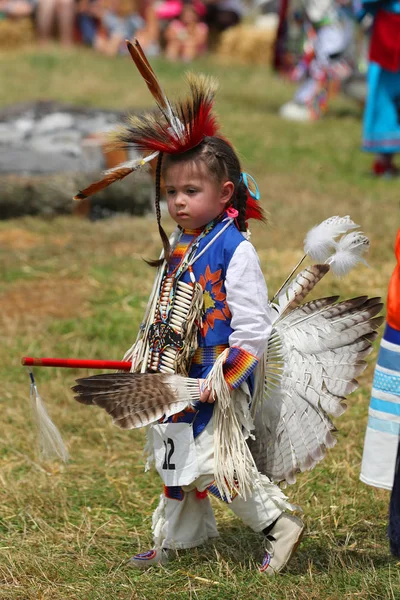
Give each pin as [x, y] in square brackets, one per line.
[245, 177]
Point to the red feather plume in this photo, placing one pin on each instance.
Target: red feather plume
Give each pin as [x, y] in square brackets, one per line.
[254, 210]
[177, 127]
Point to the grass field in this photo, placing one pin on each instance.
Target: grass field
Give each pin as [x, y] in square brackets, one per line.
[73, 288]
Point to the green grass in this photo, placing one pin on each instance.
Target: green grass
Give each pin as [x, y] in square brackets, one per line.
[69, 287]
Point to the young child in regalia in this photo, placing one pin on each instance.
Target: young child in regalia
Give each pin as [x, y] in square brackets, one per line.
[232, 405]
[208, 263]
[206, 195]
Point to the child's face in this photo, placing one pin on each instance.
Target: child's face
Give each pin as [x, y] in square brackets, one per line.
[194, 197]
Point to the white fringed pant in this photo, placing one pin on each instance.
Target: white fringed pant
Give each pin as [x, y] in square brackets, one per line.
[189, 521]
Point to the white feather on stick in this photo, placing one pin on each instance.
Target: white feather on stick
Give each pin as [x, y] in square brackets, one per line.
[349, 251]
[50, 440]
[320, 240]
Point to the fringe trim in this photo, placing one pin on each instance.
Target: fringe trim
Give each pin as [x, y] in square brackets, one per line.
[139, 351]
[148, 450]
[158, 523]
[276, 495]
[259, 386]
[50, 440]
[234, 467]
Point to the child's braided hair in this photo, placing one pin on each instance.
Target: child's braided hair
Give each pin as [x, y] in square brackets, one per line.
[222, 164]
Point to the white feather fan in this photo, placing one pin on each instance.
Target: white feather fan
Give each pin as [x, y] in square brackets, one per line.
[314, 355]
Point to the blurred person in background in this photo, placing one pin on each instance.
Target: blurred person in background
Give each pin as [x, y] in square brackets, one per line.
[15, 9]
[56, 16]
[380, 468]
[381, 129]
[89, 14]
[186, 37]
[323, 65]
[222, 14]
[149, 35]
[120, 21]
[168, 11]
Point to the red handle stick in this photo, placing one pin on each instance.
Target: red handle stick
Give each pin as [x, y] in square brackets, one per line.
[74, 363]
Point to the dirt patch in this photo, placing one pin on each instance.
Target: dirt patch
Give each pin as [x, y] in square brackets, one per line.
[27, 302]
[19, 239]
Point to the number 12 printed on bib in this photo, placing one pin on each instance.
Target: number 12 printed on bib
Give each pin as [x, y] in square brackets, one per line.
[175, 453]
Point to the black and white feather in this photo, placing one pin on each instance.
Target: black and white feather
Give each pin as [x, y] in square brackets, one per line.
[314, 355]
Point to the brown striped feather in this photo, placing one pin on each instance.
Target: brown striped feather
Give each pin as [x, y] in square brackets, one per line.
[146, 71]
[131, 399]
[109, 178]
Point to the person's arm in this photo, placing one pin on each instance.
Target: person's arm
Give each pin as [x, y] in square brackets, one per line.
[247, 299]
[251, 317]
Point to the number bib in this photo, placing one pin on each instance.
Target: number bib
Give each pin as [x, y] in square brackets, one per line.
[175, 453]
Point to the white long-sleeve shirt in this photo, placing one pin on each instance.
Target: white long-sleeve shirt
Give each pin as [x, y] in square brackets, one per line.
[247, 299]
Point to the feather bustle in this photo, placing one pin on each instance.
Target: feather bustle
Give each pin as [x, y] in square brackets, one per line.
[315, 354]
[320, 240]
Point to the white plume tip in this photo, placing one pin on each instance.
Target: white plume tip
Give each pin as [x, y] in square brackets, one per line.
[349, 251]
[320, 240]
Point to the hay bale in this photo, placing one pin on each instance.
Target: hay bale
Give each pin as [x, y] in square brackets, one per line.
[247, 44]
[15, 33]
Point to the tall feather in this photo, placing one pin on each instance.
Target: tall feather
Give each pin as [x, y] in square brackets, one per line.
[300, 286]
[146, 71]
[320, 240]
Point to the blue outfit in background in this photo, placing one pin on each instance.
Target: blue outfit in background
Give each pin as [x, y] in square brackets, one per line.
[381, 129]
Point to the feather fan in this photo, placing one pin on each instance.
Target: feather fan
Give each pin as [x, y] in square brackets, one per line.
[314, 355]
[137, 399]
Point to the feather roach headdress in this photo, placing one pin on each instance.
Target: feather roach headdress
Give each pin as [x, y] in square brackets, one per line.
[173, 128]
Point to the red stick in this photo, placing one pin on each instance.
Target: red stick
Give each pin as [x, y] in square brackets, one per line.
[75, 363]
